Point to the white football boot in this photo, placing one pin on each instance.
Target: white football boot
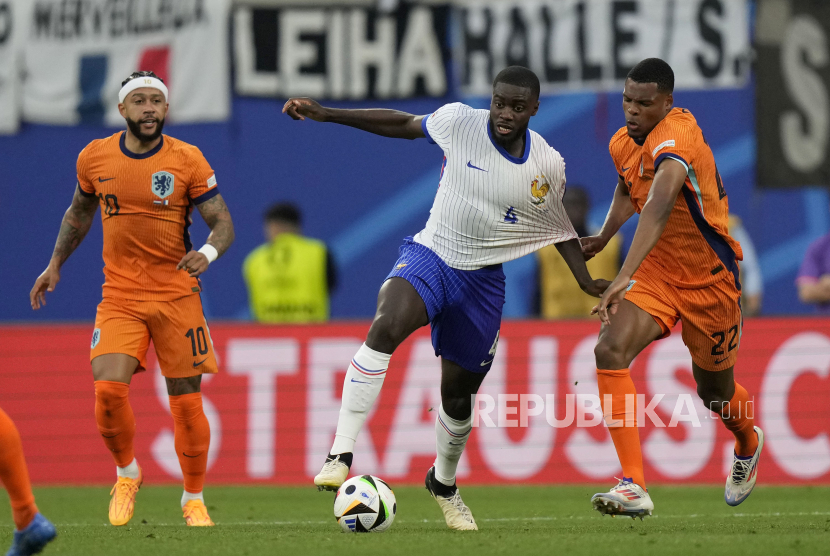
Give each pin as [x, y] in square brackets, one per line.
[333, 474]
[627, 498]
[742, 476]
[456, 513]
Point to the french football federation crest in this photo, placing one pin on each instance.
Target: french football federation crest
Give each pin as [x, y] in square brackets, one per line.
[96, 337]
[539, 192]
[162, 184]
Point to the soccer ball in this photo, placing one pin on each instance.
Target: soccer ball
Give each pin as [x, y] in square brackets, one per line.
[365, 504]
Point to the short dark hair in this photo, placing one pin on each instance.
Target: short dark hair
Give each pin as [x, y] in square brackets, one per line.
[520, 77]
[653, 70]
[137, 74]
[284, 212]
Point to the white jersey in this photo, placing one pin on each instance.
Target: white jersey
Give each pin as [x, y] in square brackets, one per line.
[491, 207]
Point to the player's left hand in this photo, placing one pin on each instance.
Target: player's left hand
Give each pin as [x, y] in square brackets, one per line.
[194, 263]
[611, 299]
[596, 287]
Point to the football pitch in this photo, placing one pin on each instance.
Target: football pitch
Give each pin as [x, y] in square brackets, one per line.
[512, 520]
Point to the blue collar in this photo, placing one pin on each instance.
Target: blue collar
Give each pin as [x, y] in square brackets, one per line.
[122, 142]
[504, 152]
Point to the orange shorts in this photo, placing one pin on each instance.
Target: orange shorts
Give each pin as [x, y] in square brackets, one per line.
[178, 329]
[711, 315]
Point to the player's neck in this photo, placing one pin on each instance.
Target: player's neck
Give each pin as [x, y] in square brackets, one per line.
[137, 146]
[514, 147]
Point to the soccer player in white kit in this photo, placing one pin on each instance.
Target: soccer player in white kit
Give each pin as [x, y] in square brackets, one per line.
[500, 197]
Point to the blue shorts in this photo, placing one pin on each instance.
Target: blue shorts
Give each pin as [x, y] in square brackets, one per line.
[464, 306]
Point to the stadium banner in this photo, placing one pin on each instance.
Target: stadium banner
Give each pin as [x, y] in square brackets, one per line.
[77, 53]
[341, 52]
[273, 407]
[592, 44]
[793, 92]
[12, 17]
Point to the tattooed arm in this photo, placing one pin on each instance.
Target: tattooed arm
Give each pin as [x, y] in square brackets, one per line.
[215, 213]
[75, 224]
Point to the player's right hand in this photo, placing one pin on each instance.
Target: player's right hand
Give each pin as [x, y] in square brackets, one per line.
[302, 107]
[591, 245]
[46, 282]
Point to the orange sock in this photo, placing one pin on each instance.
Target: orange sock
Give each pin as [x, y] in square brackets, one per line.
[14, 474]
[624, 433]
[192, 439]
[115, 419]
[739, 418]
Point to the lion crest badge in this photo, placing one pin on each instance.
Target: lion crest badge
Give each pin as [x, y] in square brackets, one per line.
[162, 184]
[539, 189]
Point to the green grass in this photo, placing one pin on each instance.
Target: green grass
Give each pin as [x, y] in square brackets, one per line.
[513, 520]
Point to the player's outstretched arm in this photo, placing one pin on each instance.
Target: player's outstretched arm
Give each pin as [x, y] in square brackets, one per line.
[380, 121]
[668, 181]
[75, 224]
[571, 251]
[619, 213]
[216, 215]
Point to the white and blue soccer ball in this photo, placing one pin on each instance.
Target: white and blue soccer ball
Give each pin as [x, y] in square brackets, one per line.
[365, 504]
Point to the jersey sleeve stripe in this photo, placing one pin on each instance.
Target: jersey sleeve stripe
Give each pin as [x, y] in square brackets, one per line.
[210, 194]
[84, 193]
[426, 131]
[676, 157]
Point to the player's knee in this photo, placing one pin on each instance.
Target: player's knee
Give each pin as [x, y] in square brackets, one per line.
[387, 333]
[458, 407]
[713, 396]
[610, 355]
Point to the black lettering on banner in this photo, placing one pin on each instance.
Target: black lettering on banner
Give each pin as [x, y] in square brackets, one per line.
[266, 36]
[621, 37]
[712, 36]
[477, 43]
[553, 73]
[5, 22]
[517, 42]
[590, 72]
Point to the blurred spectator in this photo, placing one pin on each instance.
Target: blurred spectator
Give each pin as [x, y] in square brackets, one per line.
[559, 294]
[752, 284]
[813, 279]
[290, 277]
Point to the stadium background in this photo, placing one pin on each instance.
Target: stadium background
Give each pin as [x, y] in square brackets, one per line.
[230, 67]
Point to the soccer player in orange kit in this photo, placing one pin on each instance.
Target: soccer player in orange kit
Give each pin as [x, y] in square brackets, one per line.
[147, 185]
[682, 265]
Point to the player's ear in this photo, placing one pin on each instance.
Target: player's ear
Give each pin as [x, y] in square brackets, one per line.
[535, 107]
[669, 101]
[122, 110]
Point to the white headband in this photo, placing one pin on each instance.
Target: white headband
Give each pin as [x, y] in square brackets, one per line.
[141, 82]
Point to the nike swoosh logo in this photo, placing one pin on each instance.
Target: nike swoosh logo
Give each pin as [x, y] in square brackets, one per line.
[359, 381]
[719, 361]
[485, 363]
[470, 165]
[187, 456]
[195, 364]
[626, 169]
[102, 180]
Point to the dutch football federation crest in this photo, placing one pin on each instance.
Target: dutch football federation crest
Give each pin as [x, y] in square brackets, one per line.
[96, 337]
[162, 184]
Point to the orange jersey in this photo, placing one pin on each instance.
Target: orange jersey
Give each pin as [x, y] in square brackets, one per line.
[146, 201]
[695, 249]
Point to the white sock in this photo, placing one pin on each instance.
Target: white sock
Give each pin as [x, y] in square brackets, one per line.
[131, 471]
[188, 496]
[364, 379]
[450, 438]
